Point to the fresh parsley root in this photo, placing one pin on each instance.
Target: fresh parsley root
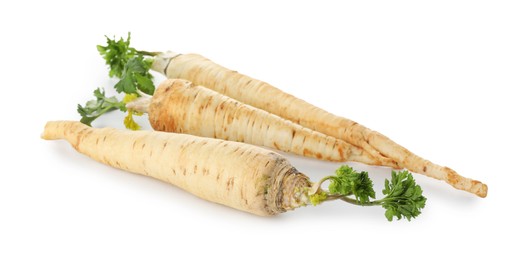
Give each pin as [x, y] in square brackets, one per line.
[238, 175]
[181, 107]
[203, 72]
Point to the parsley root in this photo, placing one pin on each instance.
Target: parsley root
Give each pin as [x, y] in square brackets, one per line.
[262, 95]
[237, 175]
[181, 107]
[132, 66]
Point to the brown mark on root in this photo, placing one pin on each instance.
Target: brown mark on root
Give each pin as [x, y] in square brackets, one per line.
[165, 144]
[276, 145]
[245, 201]
[293, 134]
[184, 172]
[424, 168]
[143, 146]
[134, 144]
[230, 183]
[195, 169]
[173, 170]
[340, 151]
[79, 136]
[451, 176]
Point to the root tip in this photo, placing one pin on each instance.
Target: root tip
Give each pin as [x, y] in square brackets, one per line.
[483, 190]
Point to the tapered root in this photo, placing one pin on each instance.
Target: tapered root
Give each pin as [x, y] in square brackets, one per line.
[407, 159]
[238, 175]
[264, 96]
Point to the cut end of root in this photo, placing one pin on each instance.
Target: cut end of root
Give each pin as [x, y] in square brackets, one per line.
[295, 186]
[140, 104]
[161, 61]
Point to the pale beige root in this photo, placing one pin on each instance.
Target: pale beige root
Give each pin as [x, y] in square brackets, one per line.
[420, 165]
[238, 175]
[262, 95]
[181, 107]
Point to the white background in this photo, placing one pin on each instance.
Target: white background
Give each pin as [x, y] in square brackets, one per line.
[446, 79]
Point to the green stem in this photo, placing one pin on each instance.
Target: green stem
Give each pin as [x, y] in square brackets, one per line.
[149, 53]
[357, 202]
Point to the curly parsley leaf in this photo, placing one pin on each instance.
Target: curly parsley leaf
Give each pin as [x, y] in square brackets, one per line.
[348, 182]
[404, 197]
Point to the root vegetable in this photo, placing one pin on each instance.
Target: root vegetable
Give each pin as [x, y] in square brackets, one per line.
[262, 95]
[181, 107]
[240, 176]
[132, 67]
[237, 175]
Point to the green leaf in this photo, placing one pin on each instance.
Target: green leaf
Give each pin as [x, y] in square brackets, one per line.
[145, 84]
[126, 84]
[95, 108]
[349, 182]
[389, 213]
[135, 77]
[116, 54]
[404, 197]
[132, 69]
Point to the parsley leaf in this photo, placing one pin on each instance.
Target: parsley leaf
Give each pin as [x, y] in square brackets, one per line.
[136, 76]
[349, 182]
[101, 105]
[132, 68]
[404, 197]
[116, 54]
